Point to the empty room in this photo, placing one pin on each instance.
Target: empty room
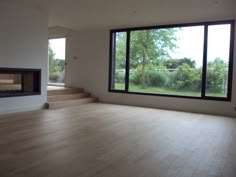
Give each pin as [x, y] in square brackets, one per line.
[127, 88]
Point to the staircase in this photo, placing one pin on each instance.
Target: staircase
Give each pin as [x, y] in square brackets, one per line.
[66, 97]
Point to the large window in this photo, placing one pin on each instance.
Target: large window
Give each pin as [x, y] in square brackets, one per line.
[186, 60]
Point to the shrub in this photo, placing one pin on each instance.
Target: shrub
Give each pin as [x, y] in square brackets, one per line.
[155, 78]
[54, 76]
[135, 77]
[120, 77]
[152, 78]
[216, 75]
[186, 77]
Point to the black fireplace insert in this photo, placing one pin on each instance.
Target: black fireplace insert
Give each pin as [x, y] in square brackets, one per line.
[19, 82]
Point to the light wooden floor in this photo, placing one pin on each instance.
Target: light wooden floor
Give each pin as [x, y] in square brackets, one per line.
[101, 140]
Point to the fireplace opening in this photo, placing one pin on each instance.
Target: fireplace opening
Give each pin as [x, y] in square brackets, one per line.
[10, 82]
[19, 82]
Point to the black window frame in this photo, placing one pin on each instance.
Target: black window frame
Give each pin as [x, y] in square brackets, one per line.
[204, 67]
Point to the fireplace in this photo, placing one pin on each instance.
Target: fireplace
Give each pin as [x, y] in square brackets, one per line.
[19, 82]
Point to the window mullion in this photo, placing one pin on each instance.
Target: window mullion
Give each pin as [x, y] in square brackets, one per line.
[231, 61]
[204, 68]
[112, 61]
[127, 62]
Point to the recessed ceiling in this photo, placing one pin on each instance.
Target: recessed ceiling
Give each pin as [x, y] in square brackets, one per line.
[86, 14]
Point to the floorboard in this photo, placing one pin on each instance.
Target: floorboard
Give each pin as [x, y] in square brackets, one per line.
[103, 140]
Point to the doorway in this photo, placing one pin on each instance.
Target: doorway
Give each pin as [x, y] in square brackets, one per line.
[56, 61]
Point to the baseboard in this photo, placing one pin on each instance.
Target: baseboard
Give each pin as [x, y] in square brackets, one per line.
[22, 110]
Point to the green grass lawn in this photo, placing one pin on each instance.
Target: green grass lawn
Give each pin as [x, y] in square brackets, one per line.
[162, 90]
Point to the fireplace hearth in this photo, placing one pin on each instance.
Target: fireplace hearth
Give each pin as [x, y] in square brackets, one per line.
[19, 82]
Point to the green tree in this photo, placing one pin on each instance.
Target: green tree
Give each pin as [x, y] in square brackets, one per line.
[54, 69]
[217, 75]
[120, 50]
[151, 46]
[175, 63]
[186, 77]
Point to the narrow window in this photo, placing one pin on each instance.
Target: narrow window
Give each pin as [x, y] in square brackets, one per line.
[119, 40]
[56, 61]
[218, 60]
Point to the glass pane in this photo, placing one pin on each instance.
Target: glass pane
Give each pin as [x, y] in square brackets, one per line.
[218, 60]
[119, 61]
[10, 82]
[167, 61]
[56, 55]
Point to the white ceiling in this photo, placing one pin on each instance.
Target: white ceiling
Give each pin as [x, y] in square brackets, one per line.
[85, 14]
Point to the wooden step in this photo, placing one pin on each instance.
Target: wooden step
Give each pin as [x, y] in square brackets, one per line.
[64, 91]
[64, 97]
[68, 103]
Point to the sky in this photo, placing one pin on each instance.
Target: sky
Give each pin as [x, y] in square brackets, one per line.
[59, 47]
[191, 43]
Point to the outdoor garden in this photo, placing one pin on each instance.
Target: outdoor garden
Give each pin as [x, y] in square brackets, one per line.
[152, 68]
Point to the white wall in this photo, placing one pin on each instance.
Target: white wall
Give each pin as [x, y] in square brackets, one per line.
[90, 69]
[58, 32]
[23, 44]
